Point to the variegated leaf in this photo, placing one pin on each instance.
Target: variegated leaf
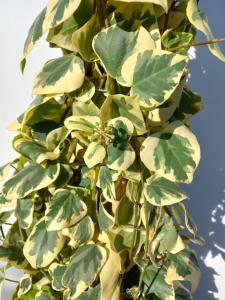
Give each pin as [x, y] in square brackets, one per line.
[24, 285]
[200, 22]
[59, 10]
[24, 212]
[83, 37]
[32, 178]
[35, 33]
[162, 113]
[57, 271]
[106, 184]
[94, 154]
[173, 153]
[121, 154]
[86, 91]
[120, 160]
[62, 34]
[86, 263]
[43, 245]
[113, 40]
[81, 233]
[154, 280]
[33, 150]
[153, 75]
[66, 208]
[83, 123]
[167, 239]
[124, 106]
[60, 75]
[184, 266]
[172, 39]
[160, 191]
[105, 220]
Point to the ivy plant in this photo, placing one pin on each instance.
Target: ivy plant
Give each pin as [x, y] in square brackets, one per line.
[98, 210]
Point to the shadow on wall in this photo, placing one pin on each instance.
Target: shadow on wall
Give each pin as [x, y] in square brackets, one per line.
[207, 192]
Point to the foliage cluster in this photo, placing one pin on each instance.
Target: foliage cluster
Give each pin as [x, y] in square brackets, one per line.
[102, 149]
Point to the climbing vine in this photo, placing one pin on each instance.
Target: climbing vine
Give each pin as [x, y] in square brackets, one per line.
[95, 198]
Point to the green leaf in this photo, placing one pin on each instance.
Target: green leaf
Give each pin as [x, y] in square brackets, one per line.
[94, 154]
[125, 212]
[153, 75]
[83, 37]
[24, 212]
[160, 191]
[113, 40]
[30, 179]
[184, 266]
[190, 105]
[43, 245]
[200, 22]
[25, 285]
[106, 184]
[85, 263]
[155, 283]
[57, 271]
[81, 233]
[6, 203]
[173, 153]
[66, 208]
[60, 75]
[124, 106]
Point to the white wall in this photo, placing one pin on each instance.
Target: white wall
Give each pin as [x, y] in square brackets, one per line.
[208, 77]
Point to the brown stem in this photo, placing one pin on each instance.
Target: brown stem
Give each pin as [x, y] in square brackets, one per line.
[208, 42]
[103, 21]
